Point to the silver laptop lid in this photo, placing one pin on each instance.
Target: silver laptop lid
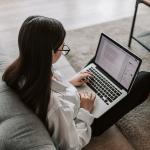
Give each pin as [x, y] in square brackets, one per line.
[117, 61]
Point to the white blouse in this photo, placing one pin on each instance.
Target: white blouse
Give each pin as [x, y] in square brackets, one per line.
[69, 125]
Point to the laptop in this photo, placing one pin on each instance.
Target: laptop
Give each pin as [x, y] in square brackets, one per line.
[113, 69]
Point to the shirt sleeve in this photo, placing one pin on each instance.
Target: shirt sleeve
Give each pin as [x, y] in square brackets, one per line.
[68, 133]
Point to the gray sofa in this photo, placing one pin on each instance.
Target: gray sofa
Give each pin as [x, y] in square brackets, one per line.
[20, 129]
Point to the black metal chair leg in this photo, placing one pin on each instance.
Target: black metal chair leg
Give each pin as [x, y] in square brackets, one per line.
[133, 23]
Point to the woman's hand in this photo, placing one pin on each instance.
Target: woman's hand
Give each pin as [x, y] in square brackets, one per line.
[80, 78]
[87, 100]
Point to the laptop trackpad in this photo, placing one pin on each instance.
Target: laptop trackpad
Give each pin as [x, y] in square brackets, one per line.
[99, 108]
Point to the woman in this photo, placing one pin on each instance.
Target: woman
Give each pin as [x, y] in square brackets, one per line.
[64, 111]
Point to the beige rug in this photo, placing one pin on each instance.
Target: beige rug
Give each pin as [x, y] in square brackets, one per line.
[83, 42]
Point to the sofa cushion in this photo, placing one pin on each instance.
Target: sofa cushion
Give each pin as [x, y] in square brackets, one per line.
[20, 129]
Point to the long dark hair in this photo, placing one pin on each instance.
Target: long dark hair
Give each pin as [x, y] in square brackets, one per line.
[38, 36]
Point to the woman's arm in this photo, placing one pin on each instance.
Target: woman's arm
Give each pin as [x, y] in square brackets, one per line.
[67, 133]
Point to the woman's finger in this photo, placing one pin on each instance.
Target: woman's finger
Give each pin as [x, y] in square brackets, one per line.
[86, 80]
[86, 95]
[93, 96]
[86, 72]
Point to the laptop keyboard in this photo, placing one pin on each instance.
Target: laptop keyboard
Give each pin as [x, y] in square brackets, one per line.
[102, 87]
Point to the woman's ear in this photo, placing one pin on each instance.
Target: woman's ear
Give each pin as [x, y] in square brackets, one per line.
[53, 52]
[55, 56]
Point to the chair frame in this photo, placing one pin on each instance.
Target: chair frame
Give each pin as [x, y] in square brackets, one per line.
[133, 23]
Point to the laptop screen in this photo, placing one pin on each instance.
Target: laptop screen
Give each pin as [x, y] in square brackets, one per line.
[117, 62]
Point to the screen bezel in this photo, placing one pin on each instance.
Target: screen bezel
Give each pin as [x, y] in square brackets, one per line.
[126, 50]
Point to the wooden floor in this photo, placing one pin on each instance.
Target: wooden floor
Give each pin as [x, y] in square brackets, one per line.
[72, 13]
